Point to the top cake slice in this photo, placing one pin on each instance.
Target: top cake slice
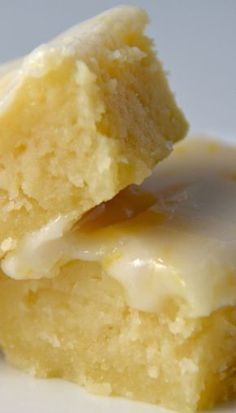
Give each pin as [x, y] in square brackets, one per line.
[81, 118]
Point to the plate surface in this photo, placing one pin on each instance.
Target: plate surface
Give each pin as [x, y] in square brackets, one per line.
[196, 42]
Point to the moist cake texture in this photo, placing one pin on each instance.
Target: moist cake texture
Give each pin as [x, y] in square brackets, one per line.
[145, 308]
[81, 118]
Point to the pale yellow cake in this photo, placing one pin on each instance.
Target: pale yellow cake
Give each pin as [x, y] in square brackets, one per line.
[81, 118]
[144, 305]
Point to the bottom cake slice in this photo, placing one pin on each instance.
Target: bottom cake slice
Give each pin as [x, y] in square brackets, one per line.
[153, 315]
[79, 327]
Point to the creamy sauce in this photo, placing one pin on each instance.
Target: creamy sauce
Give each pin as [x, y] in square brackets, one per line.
[174, 236]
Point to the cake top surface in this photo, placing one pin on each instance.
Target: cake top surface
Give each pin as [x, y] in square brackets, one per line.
[80, 40]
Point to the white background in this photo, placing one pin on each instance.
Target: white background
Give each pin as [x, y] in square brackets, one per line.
[196, 40]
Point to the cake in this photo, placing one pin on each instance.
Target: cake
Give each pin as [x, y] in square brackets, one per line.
[81, 118]
[144, 303]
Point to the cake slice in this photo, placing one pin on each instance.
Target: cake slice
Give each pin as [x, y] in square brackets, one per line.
[144, 305]
[81, 118]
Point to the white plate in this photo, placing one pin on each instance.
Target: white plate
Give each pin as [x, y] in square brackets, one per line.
[196, 40]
